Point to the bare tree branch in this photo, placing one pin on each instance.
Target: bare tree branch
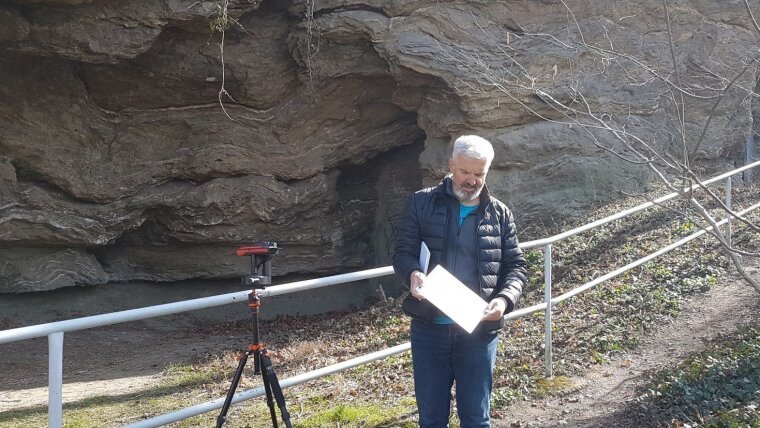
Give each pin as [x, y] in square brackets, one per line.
[752, 16]
[680, 108]
[650, 70]
[750, 92]
[732, 255]
[575, 20]
[722, 205]
[568, 105]
[715, 106]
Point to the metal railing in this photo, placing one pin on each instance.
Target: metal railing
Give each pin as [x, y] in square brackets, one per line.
[547, 244]
[55, 330]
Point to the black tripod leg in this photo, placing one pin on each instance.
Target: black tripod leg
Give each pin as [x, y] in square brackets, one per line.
[235, 380]
[271, 379]
[268, 390]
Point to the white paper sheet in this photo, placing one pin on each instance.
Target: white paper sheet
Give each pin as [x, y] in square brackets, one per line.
[453, 298]
[424, 257]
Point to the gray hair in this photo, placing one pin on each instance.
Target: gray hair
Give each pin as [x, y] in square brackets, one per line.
[474, 147]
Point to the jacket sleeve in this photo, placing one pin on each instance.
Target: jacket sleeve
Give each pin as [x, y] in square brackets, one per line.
[512, 272]
[407, 253]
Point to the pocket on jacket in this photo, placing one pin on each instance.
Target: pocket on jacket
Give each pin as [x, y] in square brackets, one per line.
[419, 309]
[493, 327]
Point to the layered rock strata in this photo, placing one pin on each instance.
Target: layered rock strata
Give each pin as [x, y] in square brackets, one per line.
[118, 161]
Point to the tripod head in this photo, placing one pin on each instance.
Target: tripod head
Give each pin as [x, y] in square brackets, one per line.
[261, 254]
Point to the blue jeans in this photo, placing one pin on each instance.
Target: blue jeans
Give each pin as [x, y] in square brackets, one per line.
[442, 355]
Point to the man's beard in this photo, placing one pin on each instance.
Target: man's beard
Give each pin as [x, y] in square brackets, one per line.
[467, 193]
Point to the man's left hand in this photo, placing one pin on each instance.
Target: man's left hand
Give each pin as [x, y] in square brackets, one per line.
[495, 310]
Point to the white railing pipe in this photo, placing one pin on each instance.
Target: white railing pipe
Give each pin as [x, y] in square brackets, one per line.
[618, 216]
[642, 260]
[525, 311]
[55, 380]
[728, 214]
[548, 314]
[206, 302]
[256, 392]
[40, 330]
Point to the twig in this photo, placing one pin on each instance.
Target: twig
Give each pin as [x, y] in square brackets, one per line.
[715, 106]
[732, 255]
[752, 16]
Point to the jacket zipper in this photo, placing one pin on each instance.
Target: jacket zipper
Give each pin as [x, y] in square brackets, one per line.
[445, 252]
[477, 251]
[456, 253]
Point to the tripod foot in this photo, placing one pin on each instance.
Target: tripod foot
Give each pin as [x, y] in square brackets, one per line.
[270, 378]
[220, 420]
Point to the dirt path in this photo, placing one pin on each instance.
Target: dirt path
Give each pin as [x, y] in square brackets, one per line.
[603, 397]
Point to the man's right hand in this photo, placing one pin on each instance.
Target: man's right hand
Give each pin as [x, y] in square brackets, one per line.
[416, 279]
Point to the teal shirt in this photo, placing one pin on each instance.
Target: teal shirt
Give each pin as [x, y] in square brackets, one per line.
[464, 211]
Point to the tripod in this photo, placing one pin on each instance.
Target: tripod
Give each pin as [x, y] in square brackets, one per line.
[261, 255]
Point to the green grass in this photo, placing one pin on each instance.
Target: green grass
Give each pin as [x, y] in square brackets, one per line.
[188, 375]
[359, 416]
[551, 386]
[717, 388]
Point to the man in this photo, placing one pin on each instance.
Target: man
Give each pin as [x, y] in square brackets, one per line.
[472, 235]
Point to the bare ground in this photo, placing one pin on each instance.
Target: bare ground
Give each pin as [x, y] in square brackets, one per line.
[107, 361]
[122, 359]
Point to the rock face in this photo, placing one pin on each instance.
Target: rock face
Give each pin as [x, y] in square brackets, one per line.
[118, 161]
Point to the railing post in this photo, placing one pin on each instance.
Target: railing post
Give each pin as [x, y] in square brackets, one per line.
[750, 156]
[55, 380]
[728, 215]
[548, 313]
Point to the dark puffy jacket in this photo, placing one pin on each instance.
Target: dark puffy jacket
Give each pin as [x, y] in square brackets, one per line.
[500, 262]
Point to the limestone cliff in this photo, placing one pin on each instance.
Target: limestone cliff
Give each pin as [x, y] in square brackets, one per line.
[118, 163]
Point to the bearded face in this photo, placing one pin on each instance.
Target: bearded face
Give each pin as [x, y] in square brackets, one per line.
[467, 193]
[468, 178]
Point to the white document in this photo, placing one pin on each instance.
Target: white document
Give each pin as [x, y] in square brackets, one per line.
[453, 298]
[424, 257]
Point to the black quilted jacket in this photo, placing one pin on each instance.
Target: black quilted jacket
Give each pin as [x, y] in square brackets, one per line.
[500, 262]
